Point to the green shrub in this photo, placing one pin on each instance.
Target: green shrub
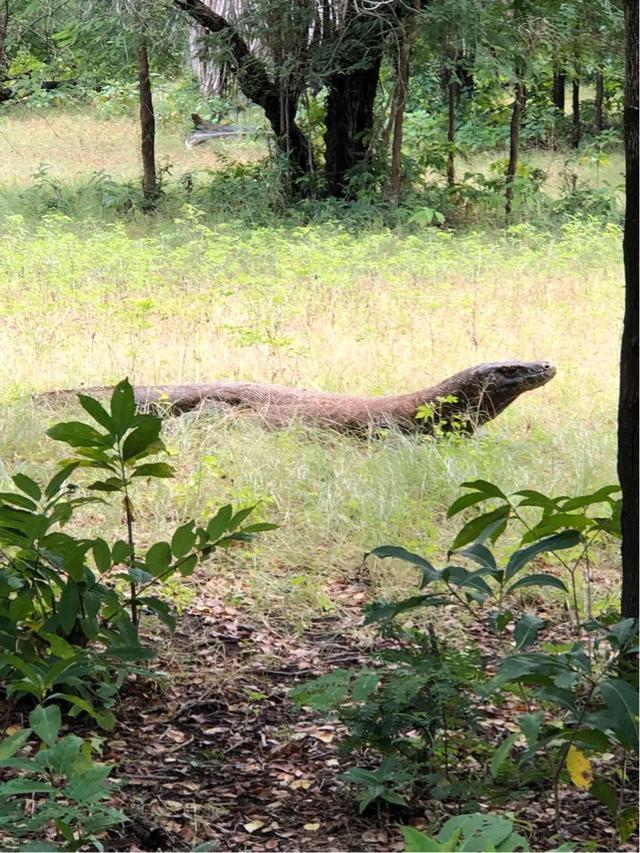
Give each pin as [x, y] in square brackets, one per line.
[70, 603]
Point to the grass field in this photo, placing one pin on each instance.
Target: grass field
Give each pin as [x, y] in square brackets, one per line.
[87, 302]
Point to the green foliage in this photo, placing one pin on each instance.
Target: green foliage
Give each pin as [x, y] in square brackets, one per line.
[473, 832]
[70, 604]
[381, 783]
[58, 785]
[409, 710]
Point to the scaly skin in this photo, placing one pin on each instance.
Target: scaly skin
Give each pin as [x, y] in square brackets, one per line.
[480, 393]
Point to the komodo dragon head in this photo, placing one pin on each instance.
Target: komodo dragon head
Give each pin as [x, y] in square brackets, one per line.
[487, 389]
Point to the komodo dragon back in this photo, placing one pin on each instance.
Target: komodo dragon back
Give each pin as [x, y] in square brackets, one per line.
[471, 397]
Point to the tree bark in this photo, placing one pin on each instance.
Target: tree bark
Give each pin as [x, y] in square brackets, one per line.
[514, 144]
[628, 400]
[279, 107]
[147, 127]
[598, 103]
[402, 82]
[558, 89]
[349, 122]
[576, 131]
[454, 89]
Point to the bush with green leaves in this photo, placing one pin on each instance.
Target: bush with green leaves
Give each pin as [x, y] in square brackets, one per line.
[59, 785]
[410, 707]
[70, 603]
[476, 833]
[581, 694]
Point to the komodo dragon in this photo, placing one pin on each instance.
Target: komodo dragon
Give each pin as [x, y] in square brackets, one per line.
[468, 399]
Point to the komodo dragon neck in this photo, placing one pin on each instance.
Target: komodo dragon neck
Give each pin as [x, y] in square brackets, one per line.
[468, 399]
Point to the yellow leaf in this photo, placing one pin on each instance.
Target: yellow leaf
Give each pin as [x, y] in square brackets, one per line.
[254, 825]
[311, 827]
[301, 783]
[579, 768]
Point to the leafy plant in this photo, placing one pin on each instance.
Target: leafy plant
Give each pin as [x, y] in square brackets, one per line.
[473, 832]
[58, 785]
[70, 605]
[380, 784]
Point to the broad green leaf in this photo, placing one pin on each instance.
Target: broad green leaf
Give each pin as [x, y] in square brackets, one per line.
[123, 407]
[488, 489]
[526, 630]
[45, 721]
[627, 822]
[158, 558]
[69, 606]
[183, 539]
[16, 499]
[500, 755]
[260, 527]
[101, 555]
[218, 524]
[465, 501]
[417, 842]
[538, 580]
[558, 542]
[12, 743]
[481, 555]
[600, 496]
[25, 786]
[622, 701]
[97, 411]
[187, 565]
[530, 726]
[142, 438]
[606, 793]
[533, 498]
[154, 469]
[55, 483]
[78, 434]
[477, 528]
[28, 486]
[429, 572]
[379, 612]
[121, 551]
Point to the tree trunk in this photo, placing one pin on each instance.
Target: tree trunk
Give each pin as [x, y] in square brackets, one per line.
[454, 89]
[598, 103]
[514, 144]
[557, 90]
[349, 121]
[402, 82]
[576, 132]
[628, 401]
[255, 84]
[147, 127]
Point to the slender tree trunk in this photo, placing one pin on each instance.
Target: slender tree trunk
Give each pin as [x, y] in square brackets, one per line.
[576, 132]
[628, 401]
[402, 82]
[454, 89]
[514, 144]
[558, 89]
[598, 104]
[147, 127]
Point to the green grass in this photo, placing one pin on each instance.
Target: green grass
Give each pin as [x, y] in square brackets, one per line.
[185, 298]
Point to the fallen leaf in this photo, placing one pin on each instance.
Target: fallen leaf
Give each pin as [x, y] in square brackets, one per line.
[301, 783]
[311, 827]
[254, 825]
[579, 768]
